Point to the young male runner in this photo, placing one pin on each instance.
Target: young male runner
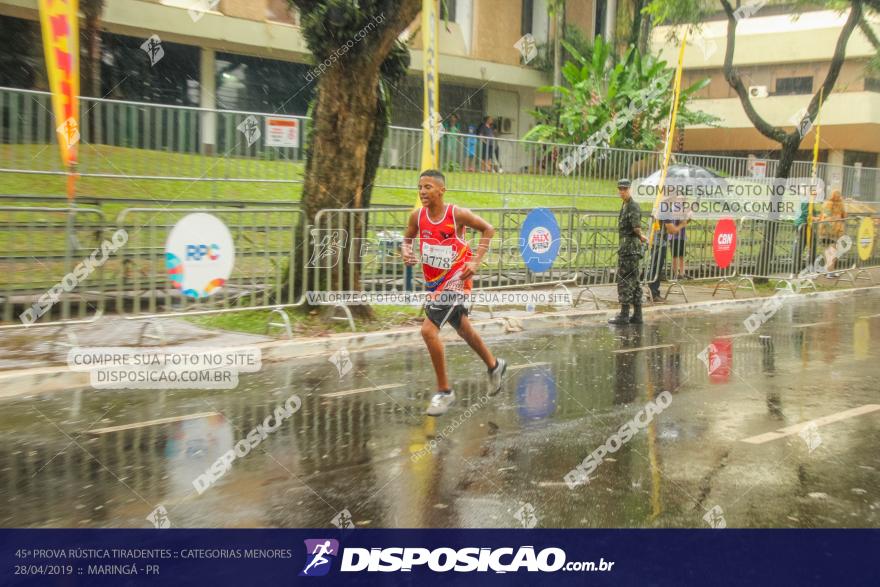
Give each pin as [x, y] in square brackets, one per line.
[448, 265]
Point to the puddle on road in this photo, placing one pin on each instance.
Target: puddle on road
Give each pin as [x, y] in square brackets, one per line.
[373, 454]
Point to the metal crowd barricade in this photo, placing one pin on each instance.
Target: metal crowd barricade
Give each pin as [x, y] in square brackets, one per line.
[266, 275]
[596, 259]
[699, 261]
[865, 250]
[358, 248]
[773, 249]
[831, 260]
[503, 267]
[370, 238]
[46, 267]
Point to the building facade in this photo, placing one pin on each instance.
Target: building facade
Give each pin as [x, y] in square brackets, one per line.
[783, 61]
[250, 55]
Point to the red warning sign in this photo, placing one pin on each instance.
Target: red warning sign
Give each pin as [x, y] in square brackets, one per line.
[724, 242]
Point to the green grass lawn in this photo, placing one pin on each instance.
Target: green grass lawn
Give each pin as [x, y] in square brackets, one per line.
[306, 322]
[475, 190]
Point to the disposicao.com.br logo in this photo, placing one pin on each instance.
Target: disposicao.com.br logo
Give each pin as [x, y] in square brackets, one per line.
[442, 560]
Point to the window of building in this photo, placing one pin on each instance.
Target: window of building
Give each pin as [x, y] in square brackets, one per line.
[872, 84]
[406, 109]
[126, 72]
[254, 84]
[447, 10]
[528, 7]
[23, 67]
[786, 86]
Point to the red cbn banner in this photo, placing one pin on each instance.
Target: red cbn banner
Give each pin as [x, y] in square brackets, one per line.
[720, 360]
[724, 242]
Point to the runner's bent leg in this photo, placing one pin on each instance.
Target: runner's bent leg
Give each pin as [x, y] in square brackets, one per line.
[466, 331]
[431, 335]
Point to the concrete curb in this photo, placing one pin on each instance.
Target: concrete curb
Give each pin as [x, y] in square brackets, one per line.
[58, 377]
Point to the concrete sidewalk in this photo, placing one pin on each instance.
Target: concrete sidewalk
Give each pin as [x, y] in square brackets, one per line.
[35, 360]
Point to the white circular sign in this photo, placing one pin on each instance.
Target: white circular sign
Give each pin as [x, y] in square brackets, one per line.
[199, 255]
[540, 240]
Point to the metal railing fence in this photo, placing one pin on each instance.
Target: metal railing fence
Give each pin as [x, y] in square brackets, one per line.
[146, 142]
[263, 276]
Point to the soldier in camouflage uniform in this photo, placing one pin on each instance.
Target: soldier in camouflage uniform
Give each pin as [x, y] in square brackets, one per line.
[629, 252]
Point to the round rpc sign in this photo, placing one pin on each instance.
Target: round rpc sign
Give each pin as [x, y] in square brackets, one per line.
[539, 240]
[724, 242]
[199, 255]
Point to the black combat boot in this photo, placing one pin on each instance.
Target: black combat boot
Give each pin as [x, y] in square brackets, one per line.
[637, 313]
[623, 317]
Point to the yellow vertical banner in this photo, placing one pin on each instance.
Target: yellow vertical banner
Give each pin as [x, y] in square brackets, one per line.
[431, 126]
[815, 175]
[60, 25]
[670, 135]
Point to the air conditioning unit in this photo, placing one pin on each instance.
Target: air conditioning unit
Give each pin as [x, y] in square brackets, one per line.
[758, 91]
[504, 125]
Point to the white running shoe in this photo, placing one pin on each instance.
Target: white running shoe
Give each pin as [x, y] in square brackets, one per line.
[440, 403]
[496, 375]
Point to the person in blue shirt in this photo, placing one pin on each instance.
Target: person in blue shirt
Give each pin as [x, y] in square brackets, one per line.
[470, 146]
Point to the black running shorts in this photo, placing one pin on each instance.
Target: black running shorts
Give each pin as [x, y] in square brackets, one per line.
[445, 313]
[677, 247]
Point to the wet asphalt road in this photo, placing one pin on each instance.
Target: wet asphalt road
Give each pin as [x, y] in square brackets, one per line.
[355, 454]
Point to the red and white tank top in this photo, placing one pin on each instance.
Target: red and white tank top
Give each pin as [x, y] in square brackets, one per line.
[442, 252]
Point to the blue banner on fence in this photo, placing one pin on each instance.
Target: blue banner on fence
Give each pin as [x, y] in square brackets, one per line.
[440, 557]
[539, 240]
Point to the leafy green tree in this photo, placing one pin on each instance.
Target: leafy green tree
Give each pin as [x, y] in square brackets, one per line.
[357, 41]
[693, 12]
[598, 94]
[575, 37]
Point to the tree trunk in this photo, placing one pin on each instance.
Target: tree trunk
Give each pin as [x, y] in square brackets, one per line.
[355, 39]
[94, 65]
[645, 35]
[343, 124]
[635, 30]
[341, 130]
[374, 150]
[559, 32]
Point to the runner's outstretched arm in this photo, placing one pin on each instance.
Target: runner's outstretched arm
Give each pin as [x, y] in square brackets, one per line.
[464, 217]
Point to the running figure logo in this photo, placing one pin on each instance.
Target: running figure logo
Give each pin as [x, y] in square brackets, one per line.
[320, 553]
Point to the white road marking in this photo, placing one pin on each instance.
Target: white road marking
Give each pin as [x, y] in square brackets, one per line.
[797, 428]
[153, 423]
[526, 365]
[362, 390]
[644, 348]
[810, 325]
